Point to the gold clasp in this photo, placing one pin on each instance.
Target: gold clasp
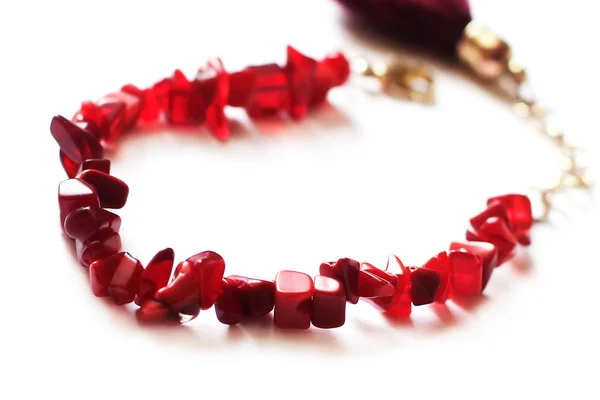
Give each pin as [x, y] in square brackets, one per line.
[399, 78]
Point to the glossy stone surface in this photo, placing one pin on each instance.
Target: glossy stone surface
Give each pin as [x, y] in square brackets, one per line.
[108, 116]
[330, 72]
[212, 83]
[372, 286]
[100, 245]
[74, 194]
[183, 106]
[466, 273]
[496, 232]
[441, 265]
[270, 94]
[492, 210]
[300, 71]
[518, 209]
[241, 88]
[328, 303]
[293, 294]
[244, 298]
[399, 304]
[82, 223]
[99, 164]
[153, 311]
[111, 191]
[424, 285]
[70, 166]
[77, 144]
[346, 271]
[156, 275]
[486, 251]
[117, 277]
[132, 107]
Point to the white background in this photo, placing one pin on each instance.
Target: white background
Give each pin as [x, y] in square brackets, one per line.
[362, 178]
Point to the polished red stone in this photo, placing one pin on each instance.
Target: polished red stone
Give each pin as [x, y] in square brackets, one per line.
[300, 71]
[496, 232]
[270, 93]
[492, 210]
[74, 194]
[112, 191]
[87, 126]
[372, 286]
[346, 271]
[108, 116]
[486, 251]
[241, 88]
[242, 298]
[154, 311]
[102, 244]
[196, 284]
[76, 143]
[156, 275]
[82, 223]
[133, 106]
[441, 265]
[154, 100]
[328, 303]
[117, 277]
[212, 84]
[382, 303]
[332, 71]
[424, 285]
[99, 164]
[466, 273]
[293, 294]
[518, 209]
[185, 104]
[396, 274]
[70, 166]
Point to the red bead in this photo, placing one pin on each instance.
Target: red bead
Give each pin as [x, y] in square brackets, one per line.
[332, 71]
[112, 191]
[424, 285]
[77, 144]
[243, 298]
[466, 273]
[346, 271]
[229, 305]
[486, 251]
[154, 311]
[399, 304]
[493, 210]
[441, 265]
[293, 293]
[241, 88]
[382, 303]
[99, 164]
[300, 71]
[82, 223]
[518, 209]
[132, 110]
[181, 296]
[70, 166]
[372, 286]
[74, 194]
[328, 303]
[100, 245]
[108, 116]
[117, 277]
[156, 275]
[496, 232]
[270, 94]
[185, 104]
[212, 83]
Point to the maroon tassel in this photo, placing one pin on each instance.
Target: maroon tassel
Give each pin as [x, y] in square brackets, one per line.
[435, 25]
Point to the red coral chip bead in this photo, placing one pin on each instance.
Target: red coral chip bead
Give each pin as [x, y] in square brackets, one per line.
[77, 144]
[184, 106]
[466, 273]
[270, 94]
[328, 303]
[229, 306]
[109, 116]
[74, 194]
[181, 296]
[518, 209]
[332, 71]
[82, 223]
[112, 191]
[117, 277]
[441, 265]
[70, 166]
[346, 271]
[242, 298]
[300, 71]
[100, 245]
[492, 210]
[132, 110]
[156, 275]
[372, 286]
[293, 294]
[496, 232]
[486, 251]
[399, 304]
[241, 88]
[154, 311]
[424, 285]
[99, 164]
[382, 303]
[212, 82]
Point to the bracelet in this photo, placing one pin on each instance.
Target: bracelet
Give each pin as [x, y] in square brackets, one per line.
[296, 299]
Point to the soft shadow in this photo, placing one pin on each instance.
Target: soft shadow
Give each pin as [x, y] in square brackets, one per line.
[444, 314]
[399, 322]
[522, 263]
[470, 303]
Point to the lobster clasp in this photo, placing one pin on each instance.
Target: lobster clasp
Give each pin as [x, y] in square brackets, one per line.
[399, 78]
